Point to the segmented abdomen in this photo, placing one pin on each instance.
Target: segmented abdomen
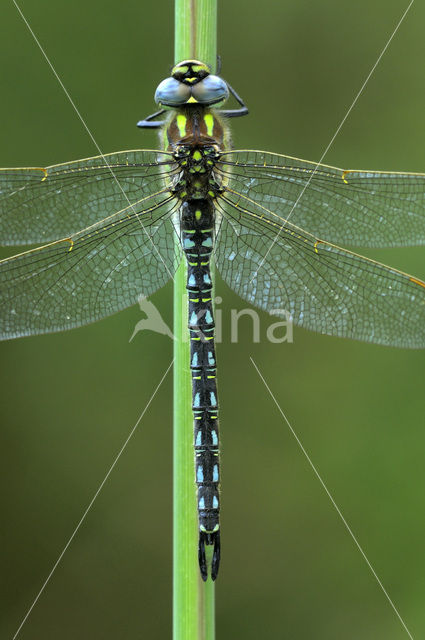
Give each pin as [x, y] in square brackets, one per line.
[197, 237]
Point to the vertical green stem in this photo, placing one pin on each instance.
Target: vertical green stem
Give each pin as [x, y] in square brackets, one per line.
[193, 600]
[185, 566]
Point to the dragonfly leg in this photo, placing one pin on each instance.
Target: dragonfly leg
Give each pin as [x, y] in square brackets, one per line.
[232, 113]
[235, 113]
[150, 122]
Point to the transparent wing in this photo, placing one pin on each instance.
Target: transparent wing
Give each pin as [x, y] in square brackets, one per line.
[91, 274]
[44, 204]
[283, 269]
[354, 208]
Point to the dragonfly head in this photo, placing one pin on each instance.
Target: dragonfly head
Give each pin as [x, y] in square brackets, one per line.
[191, 83]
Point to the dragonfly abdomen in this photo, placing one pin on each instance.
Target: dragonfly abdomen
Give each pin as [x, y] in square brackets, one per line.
[197, 236]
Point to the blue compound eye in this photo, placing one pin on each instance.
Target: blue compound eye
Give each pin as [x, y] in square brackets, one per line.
[171, 93]
[210, 90]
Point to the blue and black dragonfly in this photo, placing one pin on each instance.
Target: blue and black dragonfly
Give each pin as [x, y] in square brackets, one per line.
[116, 227]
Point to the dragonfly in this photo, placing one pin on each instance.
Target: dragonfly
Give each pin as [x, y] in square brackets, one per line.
[115, 227]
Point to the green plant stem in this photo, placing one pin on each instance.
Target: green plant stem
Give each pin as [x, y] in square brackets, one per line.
[193, 600]
[185, 566]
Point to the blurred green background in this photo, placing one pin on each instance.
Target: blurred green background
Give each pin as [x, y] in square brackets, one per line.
[68, 401]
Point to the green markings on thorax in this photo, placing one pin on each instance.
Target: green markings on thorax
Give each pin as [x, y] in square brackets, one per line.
[209, 123]
[181, 124]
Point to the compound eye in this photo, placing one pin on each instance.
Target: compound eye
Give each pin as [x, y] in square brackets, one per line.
[210, 90]
[171, 93]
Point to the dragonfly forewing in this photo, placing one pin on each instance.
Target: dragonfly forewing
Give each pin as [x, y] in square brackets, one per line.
[44, 204]
[352, 208]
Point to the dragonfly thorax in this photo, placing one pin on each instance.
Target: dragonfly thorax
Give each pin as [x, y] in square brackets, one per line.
[197, 164]
[198, 159]
[195, 126]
